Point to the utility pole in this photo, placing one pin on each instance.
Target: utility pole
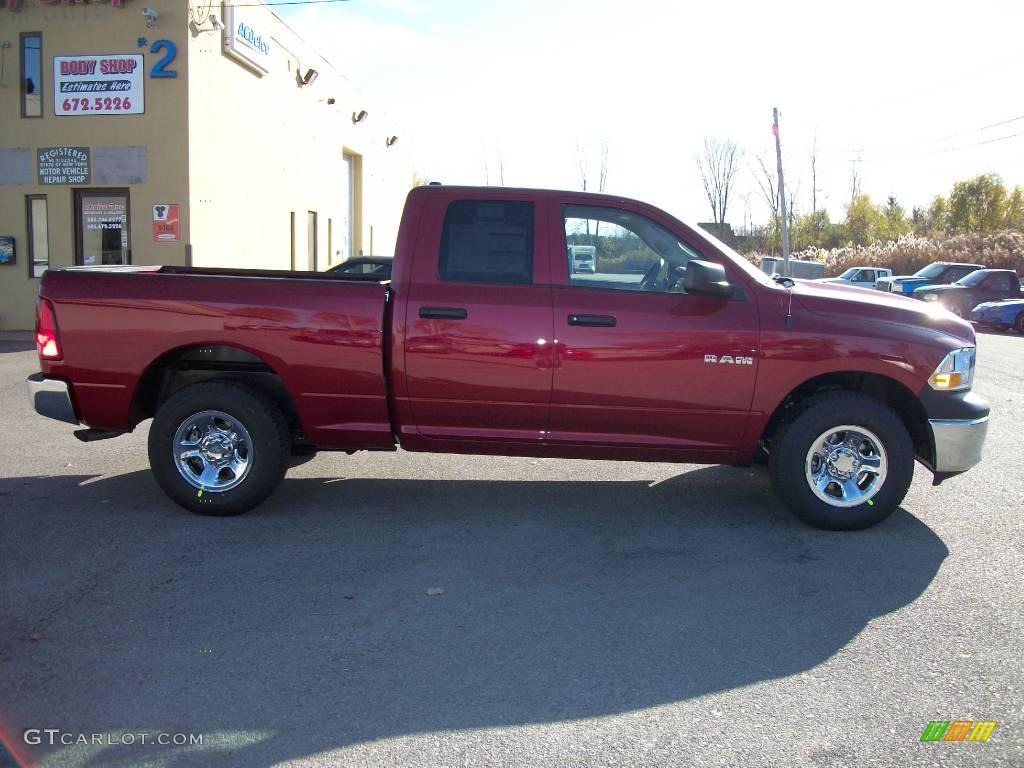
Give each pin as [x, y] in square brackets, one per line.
[782, 195]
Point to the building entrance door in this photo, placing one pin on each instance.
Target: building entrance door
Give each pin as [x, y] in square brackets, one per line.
[102, 227]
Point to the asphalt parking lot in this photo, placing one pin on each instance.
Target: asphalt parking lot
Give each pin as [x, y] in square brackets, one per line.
[590, 613]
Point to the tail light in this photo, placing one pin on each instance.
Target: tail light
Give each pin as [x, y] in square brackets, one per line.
[47, 338]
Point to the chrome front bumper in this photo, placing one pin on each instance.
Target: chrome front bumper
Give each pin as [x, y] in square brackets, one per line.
[51, 398]
[958, 443]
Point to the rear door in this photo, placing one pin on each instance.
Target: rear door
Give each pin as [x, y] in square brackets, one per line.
[477, 349]
[640, 363]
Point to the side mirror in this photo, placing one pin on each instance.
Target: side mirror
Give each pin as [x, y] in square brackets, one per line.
[707, 277]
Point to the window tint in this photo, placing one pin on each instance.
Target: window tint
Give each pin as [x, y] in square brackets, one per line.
[620, 250]
[486, 241]
[31, 74]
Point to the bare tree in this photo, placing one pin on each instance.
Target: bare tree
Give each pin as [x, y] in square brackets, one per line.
[768, 182]
[603, 177]
[814, 175]
[718, 166]
[582, 163]
[855, 178]
[501, 168]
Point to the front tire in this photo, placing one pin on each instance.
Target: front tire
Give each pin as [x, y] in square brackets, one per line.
[1019, 325]
[218, 447]
[842, 461]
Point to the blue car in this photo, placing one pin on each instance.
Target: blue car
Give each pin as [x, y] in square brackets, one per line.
[1000, 314]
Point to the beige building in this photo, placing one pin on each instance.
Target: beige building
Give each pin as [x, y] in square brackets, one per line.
[182, 133]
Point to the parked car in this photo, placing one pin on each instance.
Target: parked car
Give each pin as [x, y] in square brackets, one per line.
[862, 277]
[980, 286]
[486, 342]
[938, 273]
[377, 266]
[1000, 314]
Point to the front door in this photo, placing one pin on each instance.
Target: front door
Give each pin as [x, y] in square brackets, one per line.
[639, 363]
[478, 353]
[102, 226]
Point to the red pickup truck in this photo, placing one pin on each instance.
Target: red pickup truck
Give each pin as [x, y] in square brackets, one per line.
[488, 340]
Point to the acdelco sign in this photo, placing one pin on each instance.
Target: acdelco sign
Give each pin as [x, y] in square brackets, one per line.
[244, 41]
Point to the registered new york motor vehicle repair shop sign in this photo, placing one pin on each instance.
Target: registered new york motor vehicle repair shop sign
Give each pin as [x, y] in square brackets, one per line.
[111, 84]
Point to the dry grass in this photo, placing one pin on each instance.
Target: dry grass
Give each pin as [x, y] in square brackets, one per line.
[1001, 250]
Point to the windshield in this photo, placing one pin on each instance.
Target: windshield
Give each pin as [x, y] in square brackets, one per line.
[972, 279]
[739, 260]
[932, 270]
[848, 274]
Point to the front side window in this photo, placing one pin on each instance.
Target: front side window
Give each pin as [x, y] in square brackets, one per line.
[485, 241]
[621, 250]
[102, 218]
[38, 235]
[31, 74]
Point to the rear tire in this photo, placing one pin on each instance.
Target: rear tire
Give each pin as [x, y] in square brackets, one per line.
[236, 440]
[842, 461]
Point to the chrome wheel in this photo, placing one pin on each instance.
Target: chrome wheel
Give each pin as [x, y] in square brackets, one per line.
[846, 466]
[212, 451]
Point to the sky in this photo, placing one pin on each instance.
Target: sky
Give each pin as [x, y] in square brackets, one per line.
[902, 91]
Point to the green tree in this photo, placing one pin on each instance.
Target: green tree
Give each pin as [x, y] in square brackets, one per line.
[812, 229]
[978, 205]
[894, 221]
[864, 221]
[1013, 217]
[937, 219]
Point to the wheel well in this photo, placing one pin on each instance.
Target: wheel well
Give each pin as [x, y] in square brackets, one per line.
[190, 365]
[881, 388]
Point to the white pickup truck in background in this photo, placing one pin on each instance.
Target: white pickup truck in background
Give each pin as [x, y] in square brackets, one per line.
[863, 277]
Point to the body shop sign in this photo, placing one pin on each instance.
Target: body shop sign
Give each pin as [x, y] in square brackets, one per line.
[63, 165]
[98, 85]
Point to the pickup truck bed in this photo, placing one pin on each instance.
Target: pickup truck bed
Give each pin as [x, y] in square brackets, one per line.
[321, 334]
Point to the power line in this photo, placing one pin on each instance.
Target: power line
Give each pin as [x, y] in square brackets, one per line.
[948, 149]
[895, 147]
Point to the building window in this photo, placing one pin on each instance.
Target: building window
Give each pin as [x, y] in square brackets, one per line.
[487, 241]
[311, 242]
[31, 74]
[292, 224]
[38, 235]
[102, 219]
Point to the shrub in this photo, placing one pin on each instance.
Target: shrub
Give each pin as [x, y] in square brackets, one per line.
[999, 250]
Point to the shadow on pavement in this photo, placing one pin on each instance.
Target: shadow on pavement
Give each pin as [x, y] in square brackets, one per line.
[12, 343]
[561, 600]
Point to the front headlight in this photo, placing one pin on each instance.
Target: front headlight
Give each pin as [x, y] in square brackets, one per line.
[955, 372]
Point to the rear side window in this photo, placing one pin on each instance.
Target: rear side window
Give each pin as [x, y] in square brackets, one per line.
[485, 241]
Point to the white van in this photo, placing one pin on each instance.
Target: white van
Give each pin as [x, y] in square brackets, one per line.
[583, 258]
